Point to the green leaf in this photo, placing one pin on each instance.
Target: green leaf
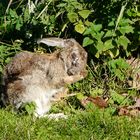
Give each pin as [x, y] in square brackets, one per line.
[2, 48]
[96, 92]
[88, 31]
[122, 63]
[97, 27]
[7, 60]
[94, 30]
[62, 5]
[108, 45]
[88, 23]
[84, 13]
[30, 107]
[87, 41]
[113, 52]
[126, 29]
[77, 5]
[26, 15]
[109, 33]
[119, 74]
[98, 35]
[100, 48]
[18, 25]
[138, 14]
[80, 96]
[123, 41]
[73, 17]
[111, 23]
[117, 97]
[80, 28]
[13, 13]
[125, 22]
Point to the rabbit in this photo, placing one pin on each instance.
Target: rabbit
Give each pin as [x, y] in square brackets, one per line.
[33, 77]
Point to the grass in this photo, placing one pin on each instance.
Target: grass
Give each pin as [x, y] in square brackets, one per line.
[97, 124]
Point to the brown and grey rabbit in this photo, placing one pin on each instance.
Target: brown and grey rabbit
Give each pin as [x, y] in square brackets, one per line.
[32, 77]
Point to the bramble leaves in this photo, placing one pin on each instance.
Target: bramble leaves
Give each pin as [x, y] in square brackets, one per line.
[80, 28]
[123, 41]
[84, 13]
[87, 41]
[72, 17]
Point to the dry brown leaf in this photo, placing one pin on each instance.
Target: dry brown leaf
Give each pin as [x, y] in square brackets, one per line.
[133, 111]
[123, 111]
[137, 104]
[98, 101]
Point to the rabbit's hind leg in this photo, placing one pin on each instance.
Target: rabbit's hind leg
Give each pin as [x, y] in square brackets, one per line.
[40, 97]
[41, 108]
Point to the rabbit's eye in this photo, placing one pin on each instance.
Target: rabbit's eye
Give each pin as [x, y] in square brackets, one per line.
[73, 55]
[74, 59]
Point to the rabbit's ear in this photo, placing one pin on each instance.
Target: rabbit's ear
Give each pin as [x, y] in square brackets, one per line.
[52, 41]
[59, 42]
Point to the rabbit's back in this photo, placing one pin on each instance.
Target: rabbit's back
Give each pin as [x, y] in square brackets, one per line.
[19, 63]
[30, 76]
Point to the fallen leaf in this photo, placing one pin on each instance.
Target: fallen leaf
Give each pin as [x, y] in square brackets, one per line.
[137, 104]
[100, 102]
[134, 112]
[123, 111]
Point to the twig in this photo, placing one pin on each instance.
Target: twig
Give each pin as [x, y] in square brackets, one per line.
[43, 9]
[8, 6]
[5, 44]
[72, 94]
[120, 15]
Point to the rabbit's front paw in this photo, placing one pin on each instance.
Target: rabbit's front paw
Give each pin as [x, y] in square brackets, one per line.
[60, 95]
[84, 73]
[73, 78]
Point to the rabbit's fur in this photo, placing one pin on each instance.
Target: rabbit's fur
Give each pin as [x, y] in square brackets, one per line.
[32, 77]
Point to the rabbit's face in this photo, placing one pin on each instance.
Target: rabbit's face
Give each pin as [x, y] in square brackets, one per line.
[72, 54]
[75, 57]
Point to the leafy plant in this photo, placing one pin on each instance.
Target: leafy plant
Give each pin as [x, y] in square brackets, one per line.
[113, 39]
[119, 68]
[6, 52]
[28, 108]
